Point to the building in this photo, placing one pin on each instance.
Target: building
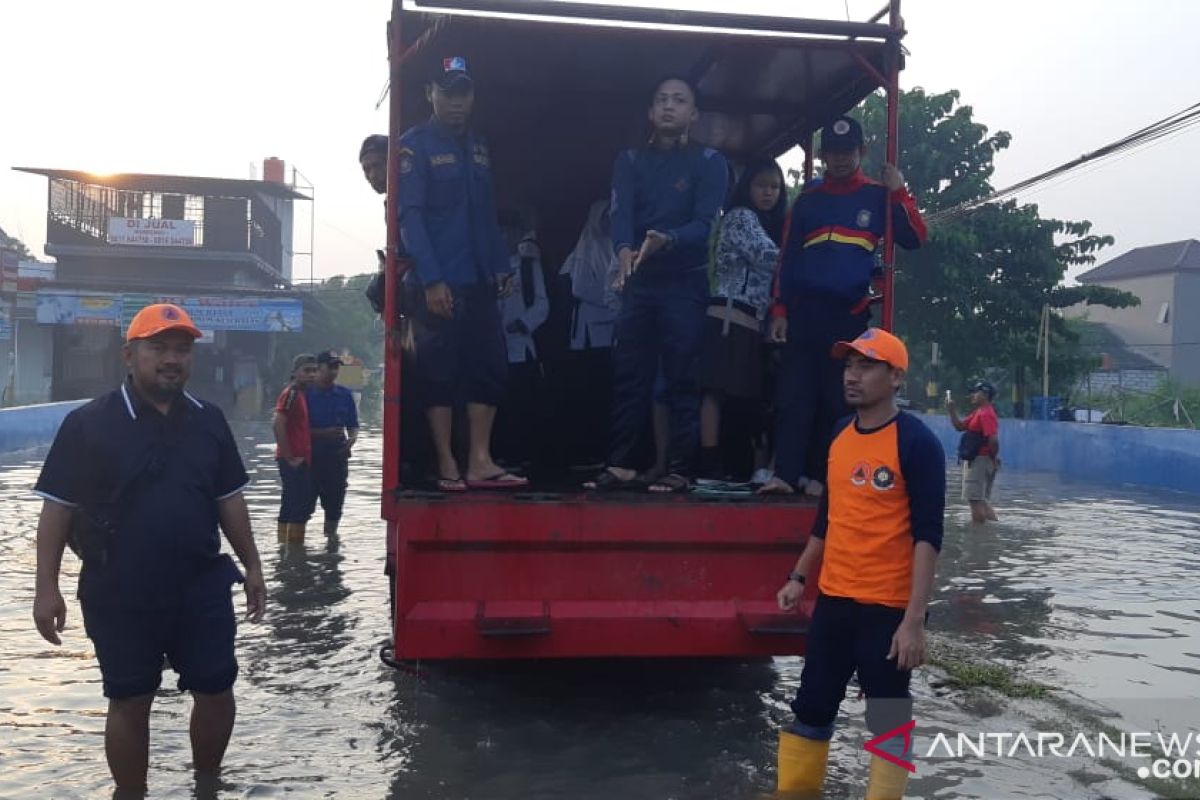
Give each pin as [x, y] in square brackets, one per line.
[220, 248]
[1165, 328]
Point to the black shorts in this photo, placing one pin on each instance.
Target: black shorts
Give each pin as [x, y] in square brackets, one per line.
[196, 636]
[464, 359]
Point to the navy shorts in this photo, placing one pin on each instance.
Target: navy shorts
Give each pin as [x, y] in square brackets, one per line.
[196, 636]
[463, 359]
[298, 499]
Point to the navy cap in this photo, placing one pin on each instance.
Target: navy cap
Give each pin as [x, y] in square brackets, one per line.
[841, 135]
[985, 387]
[329, 357]
[452, 74]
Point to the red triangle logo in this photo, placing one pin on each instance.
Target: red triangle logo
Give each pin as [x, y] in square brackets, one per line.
[905, 730]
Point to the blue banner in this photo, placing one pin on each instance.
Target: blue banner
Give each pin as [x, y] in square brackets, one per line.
[258, 314]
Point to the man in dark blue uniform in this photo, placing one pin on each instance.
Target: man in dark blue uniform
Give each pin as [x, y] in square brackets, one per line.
[449, 227]
[333, 420]
[822, 284]
[665, 198]
[138, 482]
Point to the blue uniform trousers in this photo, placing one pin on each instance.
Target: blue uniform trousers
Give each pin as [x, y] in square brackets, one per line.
[661, 323]
[810, 399]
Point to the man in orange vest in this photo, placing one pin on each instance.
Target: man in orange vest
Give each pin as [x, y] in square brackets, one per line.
[877, 536]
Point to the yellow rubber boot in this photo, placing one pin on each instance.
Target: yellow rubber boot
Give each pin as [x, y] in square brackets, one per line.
[802, 764]
[887, 781]
[283, 532]
[296, 532]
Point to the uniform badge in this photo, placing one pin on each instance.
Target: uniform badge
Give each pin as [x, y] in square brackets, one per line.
[860, 474]
[442, 159]
[864, 219]
[883, 479]
[405, 156]
[841, 127]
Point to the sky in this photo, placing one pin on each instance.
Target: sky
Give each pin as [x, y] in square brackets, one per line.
[213, 88]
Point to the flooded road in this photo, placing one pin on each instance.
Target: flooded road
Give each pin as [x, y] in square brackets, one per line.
[1089, 590]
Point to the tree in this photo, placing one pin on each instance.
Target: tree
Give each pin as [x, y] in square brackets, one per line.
[13, 243]
[978, 286]
[342, 320]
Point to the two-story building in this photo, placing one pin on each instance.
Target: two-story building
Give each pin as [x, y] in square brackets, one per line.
[1165, 328]
[220, 248]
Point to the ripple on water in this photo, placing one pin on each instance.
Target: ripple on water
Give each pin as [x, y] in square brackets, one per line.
[1090, 591]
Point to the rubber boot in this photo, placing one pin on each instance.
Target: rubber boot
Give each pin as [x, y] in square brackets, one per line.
[887, 781]
[296, 532]
[802, 764]
[331, 527]
[283, 532]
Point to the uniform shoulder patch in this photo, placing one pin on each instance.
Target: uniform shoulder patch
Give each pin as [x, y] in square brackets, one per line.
[405, 159]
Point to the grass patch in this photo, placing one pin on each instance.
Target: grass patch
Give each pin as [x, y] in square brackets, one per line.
[964, 674]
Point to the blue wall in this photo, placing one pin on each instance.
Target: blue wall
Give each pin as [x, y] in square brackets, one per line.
[32, 426]
[1165, 458]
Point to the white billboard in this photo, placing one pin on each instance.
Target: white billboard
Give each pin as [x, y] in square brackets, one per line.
[152, 232]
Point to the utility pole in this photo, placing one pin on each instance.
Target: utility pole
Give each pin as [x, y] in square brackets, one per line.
[1043, 350]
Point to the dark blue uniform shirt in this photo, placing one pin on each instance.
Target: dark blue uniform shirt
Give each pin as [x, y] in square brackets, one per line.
[166, 474]
[448, 207]
[678, 192]
[832, 232]
[330, 408]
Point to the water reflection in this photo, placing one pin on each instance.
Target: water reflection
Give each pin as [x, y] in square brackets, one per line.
[1086, 589]
[636, 729]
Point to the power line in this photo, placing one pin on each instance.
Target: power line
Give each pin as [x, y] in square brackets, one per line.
[1151, 134]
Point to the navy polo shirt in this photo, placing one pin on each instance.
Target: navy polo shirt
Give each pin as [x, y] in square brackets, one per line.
[170, 471]
[330, 408]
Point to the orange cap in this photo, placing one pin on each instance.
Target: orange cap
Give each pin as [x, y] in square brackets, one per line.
[160, 318]
[878, 345]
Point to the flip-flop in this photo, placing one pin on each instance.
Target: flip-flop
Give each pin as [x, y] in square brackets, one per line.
[606, 481]
[451, 485]
[671, 483]
[501, 480]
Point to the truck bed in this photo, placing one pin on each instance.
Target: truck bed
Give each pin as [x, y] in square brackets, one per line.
[543, 574]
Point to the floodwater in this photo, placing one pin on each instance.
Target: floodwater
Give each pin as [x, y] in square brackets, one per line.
[1086, 589]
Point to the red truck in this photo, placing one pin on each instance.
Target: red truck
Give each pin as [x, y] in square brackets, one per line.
[566, 574]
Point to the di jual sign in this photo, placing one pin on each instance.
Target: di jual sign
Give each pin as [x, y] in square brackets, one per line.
[151, 232]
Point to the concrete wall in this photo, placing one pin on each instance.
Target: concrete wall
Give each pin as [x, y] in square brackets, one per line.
[32, 426]
[283, 208]
[1102, 382]
[1185, 362]
[1163, 458]
[35, 363]
[1139, 324]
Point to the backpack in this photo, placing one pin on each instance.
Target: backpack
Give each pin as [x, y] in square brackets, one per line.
[969, 445]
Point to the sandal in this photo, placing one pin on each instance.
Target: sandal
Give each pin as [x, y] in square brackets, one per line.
[776, 486]
[501, 480]
[606, 481]
[451, 485]
[672, 483]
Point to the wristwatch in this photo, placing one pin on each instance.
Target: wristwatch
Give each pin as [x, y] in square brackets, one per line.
[795, 576]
